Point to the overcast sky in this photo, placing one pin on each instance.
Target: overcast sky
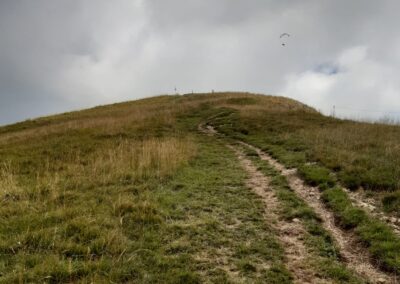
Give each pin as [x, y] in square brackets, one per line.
[59, 55]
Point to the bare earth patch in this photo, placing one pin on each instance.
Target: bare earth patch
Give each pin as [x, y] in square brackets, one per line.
[220, 258]
[207, 129]
[359, 199]
[290, 234]
[356, 256]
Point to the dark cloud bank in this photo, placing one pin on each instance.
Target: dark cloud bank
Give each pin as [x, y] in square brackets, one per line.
[58, 55]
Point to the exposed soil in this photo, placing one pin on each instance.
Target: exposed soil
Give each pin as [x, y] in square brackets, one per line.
[220, 259]
[355, 255]
[290, 234]
[368, 204]
[207, 129]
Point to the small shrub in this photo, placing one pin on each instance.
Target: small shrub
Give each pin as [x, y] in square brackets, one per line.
[349, 216]
[352, 180]
[391, 202]
[383, 244]
[315, 175]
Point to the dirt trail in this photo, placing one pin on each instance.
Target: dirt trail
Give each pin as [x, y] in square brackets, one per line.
[359, 199]
[207, 129]
[290, 234]
[356, 256]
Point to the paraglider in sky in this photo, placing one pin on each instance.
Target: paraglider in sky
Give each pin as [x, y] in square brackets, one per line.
[283, 36]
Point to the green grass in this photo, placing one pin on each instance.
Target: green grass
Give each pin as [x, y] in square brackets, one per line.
[327, 260]
[360, 154]
[379, 238]
[316, 175]
[221, 219]
[131, 193]
[299, 139]
[391, 202]
[381, 241]
[146, 200]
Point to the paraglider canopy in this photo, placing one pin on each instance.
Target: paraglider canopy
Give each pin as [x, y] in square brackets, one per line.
[282, 36]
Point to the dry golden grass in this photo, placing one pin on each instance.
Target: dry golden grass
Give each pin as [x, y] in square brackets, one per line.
[135, 117]
[129, 160]
[336, 143]
[8, 182]
[154, 157]
[358, 147]
[76, 190]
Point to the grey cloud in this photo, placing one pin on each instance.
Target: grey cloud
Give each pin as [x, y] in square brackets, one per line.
[58, 55]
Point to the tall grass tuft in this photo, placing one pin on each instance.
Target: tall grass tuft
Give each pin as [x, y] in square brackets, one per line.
[137, 160]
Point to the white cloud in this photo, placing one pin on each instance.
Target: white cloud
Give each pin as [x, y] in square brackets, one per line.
[363, 87]
[310, 87]
[352, 56]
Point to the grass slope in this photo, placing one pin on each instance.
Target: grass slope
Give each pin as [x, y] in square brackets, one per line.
[111, 195]
[360, 154]
[326, 259]
[131, 192]
[283, 135]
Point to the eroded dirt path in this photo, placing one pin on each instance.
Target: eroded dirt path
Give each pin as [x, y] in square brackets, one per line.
[207, 129]
[290, 234]
[359, 199]
[356, 257]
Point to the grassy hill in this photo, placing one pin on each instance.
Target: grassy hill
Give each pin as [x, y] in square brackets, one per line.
[134, 192]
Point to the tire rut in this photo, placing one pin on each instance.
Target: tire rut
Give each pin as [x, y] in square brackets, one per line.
[356, 257]
[290, 234]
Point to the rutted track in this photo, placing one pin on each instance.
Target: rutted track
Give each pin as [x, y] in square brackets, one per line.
[356, 256]
[290, 234]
